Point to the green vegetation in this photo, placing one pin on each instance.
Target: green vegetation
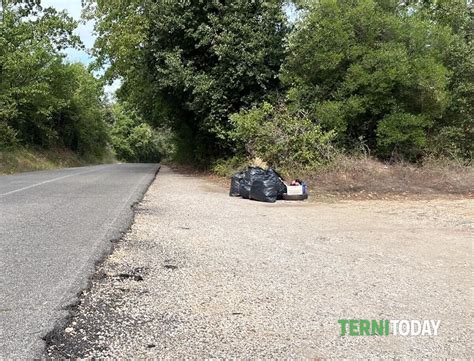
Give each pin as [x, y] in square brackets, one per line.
[21, 159]
[217, 82]
[45, 102]
[282, 137]
[384, 73]
[136, 141]
[188, 65]
[235, 79]
[47, 105]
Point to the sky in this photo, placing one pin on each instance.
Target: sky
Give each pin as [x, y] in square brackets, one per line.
[85, 31]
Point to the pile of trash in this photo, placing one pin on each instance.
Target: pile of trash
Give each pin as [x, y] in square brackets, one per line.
[265, 185]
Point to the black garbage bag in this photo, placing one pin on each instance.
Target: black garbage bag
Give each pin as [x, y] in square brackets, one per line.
[264, 191]
[236, 179]
[254, 173]
[258, 184]
[281, 187]
[268, 188]
[266, 185]
[251, 175]
[244, 189]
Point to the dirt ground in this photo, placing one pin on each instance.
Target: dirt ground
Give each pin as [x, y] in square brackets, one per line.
[367, 178]
[204, 275]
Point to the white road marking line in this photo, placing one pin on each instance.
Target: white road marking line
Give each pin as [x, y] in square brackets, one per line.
[48, 181]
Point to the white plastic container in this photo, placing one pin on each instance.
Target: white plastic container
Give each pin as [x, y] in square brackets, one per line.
[294, 190]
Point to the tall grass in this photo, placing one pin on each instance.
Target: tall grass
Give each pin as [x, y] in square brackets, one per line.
[18, 159]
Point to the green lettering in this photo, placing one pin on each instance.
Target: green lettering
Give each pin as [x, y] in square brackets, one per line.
[353, 327]
[387, 327]
[364, 327]
[377, 327]
[343, 324]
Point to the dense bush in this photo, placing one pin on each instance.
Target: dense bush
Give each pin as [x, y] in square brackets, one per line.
[136, 141]
[281, 137]
[371, 71]
[453, 135]
[8, 137]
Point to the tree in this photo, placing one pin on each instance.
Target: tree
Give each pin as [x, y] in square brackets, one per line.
[372, 71]
[196, 62]
[83, 127]
[454, 134]
[134, 140]
[44, 101]
[29, 56]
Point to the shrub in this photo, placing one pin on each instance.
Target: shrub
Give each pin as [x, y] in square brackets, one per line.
[136, 141]
[281, 137]
[144, 144]
[230, 166]
[404, 134]
[7, 136]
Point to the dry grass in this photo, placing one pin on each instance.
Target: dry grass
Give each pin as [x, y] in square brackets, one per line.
[368, 178]
[26, 160]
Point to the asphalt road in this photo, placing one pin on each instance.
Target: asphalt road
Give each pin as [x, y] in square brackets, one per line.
[54, 227]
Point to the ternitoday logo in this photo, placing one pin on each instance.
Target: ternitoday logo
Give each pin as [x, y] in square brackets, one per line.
[389, 327]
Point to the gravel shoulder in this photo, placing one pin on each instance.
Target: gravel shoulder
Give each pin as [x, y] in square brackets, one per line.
[203, 275]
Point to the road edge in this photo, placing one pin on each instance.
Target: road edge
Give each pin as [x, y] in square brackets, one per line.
[106, 247]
